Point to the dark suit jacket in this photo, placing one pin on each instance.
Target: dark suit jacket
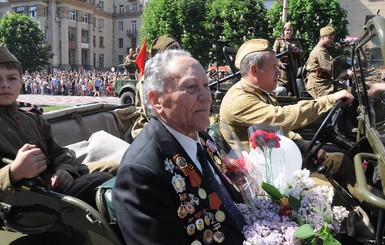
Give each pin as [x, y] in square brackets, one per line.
[144, 198]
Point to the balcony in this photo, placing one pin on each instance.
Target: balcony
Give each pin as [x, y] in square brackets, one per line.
[132, 33]
[72, 45]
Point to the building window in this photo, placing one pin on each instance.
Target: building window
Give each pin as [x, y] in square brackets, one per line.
[72, 14]
[84, 36]
[101, 42]
[120, 42]
[120, 26]
[33, 12]
[120, 59]
[20, 10]
[134, 42]
[94, 41]
[85, 18]
[101, 60]
[133, 26]
[101, 5]
[135, 8]
[101, 24]
[121, 9]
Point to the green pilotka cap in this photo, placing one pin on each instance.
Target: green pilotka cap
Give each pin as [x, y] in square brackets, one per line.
[5, 55]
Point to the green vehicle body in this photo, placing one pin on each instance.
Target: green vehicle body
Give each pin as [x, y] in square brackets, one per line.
[124, 88]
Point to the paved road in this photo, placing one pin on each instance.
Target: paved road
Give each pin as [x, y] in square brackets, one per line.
[65, 100]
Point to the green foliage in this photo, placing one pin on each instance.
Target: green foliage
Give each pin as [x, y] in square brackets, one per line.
[205, 26]
[26, 41]
[272, 191]
[309, 17]
[304, 232]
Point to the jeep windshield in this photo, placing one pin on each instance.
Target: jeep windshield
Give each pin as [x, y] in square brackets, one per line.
[368, 61]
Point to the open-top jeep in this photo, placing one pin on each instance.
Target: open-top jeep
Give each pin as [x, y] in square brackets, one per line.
[54, 218]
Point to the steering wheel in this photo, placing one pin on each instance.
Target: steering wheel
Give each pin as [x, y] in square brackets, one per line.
[311, 151]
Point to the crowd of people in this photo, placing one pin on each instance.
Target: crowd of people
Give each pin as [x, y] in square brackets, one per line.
[71, 83]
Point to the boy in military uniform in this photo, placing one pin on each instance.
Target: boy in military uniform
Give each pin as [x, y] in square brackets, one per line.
[28, 149]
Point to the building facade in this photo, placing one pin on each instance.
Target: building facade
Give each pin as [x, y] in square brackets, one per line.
[360, 11]
[84, 34]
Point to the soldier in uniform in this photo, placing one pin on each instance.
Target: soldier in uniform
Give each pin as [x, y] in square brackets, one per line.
[130, 63]
[164, 193]
[251, 101]
[160, 44]
[280, 45]
[319, 65]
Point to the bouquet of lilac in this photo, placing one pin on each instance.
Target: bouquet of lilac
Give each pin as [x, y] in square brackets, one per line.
[301, 214]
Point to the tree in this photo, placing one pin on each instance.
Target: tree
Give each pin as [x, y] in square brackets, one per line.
[184, 19]
[199, 25]
[232, 22]
[308, 17]
[26, 41]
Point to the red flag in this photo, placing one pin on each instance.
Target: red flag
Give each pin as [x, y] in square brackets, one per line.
[141, 58]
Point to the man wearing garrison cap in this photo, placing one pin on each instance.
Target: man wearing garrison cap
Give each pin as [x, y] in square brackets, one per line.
[319, 65]
[159, 44]
[252, 101]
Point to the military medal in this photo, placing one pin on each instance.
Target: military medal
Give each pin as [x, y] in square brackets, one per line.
[179, 183]
[180, 161]
[191, 229]
[207, 236]
[202, 193]
[190, 208]
[182, 211]
[195, 179]
[196, 242]
[214, 201]
[207, 220]
[220, 216]
[200, 225]
[219, 237]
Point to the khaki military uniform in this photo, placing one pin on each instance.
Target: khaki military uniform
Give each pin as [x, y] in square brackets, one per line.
[320, 81]
[245, 105]
[279, 47]
[19, 128]
[141, 114]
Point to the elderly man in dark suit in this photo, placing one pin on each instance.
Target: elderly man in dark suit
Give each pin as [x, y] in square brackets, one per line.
[164, 193]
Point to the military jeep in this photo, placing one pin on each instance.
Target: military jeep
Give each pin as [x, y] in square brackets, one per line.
[35, 215]
[124, 86]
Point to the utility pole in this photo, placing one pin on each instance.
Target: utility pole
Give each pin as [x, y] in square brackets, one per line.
[284, 11]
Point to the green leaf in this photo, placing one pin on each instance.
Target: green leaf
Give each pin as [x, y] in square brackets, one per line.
[294, 202]
[330, 240]
[327, 218]
[272, 191]
[304, 232]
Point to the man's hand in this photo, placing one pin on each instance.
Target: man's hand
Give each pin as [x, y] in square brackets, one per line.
[375, 91]
[29, 162]
[321, 155]
[61, 181]
[343, 94]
